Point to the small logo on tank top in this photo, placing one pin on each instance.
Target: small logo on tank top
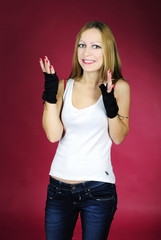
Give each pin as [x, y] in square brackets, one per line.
[106, 173]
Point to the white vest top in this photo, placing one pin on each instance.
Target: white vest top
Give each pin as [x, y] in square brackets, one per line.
[84, 152]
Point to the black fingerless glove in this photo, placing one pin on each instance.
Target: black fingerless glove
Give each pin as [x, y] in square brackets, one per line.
[109, 102]
[51, 88]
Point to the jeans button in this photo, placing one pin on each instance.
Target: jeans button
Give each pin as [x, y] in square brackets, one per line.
[73, 187]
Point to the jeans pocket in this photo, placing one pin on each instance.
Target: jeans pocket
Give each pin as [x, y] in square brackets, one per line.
[102, 197]
[105, 192]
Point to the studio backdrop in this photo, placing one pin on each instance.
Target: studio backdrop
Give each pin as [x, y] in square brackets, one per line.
[33, 29]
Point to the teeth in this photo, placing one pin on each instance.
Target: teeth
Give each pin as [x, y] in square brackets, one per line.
[88, 61]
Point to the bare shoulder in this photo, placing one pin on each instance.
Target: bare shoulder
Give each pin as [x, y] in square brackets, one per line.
[121, 88]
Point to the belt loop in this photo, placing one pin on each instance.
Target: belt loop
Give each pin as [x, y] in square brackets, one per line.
[59, 187]
[85, 188]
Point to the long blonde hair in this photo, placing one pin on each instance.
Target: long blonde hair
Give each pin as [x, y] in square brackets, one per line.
[110, 53]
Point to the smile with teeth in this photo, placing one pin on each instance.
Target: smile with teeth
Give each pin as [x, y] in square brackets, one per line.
[86, 61]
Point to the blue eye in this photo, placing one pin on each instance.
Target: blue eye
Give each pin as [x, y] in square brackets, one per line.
[96, 46]
[81, 45]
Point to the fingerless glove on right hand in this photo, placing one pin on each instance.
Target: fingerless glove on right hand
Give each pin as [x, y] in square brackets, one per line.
[51, 88]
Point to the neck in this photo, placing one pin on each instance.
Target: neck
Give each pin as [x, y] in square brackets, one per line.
[90, 79]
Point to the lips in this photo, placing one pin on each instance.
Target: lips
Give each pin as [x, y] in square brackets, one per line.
[88, 61]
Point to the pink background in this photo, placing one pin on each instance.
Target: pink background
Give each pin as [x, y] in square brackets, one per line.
[33, 29]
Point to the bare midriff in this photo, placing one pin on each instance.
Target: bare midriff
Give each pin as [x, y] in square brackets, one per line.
[67, 181]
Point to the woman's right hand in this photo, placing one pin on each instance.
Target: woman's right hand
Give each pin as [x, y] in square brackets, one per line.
[46, 67]
[51, 81]
[52, 124]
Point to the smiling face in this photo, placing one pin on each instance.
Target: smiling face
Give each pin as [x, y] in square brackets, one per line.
[90, 55]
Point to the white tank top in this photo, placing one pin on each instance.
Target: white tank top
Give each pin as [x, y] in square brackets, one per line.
[84, 152]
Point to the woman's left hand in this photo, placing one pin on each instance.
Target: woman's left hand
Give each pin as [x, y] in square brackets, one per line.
[109, 81]
[109, 99]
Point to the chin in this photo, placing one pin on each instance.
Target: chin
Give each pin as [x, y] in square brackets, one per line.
[91, 70]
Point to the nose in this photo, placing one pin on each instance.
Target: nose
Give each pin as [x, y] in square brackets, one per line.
[87, 51]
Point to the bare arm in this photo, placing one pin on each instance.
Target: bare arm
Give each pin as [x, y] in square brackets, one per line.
[118, 120]
[51, 120]
[119, 126]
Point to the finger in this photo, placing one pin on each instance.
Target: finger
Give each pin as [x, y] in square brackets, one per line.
[47, 65]
[45, 58]
[41, 65]
[52, 69]
[109, 79]
[109, 76]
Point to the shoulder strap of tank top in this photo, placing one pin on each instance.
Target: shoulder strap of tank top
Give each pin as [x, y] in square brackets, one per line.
[114, 86]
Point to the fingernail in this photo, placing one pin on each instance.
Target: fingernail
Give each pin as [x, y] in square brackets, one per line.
[110, 71]
[47, 61]
[44, 57]
[39, 59]
[50, 66]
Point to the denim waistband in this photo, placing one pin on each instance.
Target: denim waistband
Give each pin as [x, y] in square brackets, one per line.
[77, 186]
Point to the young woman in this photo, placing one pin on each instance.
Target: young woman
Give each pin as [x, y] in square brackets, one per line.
[85, 117]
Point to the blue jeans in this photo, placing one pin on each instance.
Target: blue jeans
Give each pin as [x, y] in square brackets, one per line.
[95, 201]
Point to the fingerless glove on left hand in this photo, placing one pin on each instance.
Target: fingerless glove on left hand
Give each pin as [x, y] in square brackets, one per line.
[109, 102]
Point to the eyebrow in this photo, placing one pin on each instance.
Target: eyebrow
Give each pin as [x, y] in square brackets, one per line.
[90, 42]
